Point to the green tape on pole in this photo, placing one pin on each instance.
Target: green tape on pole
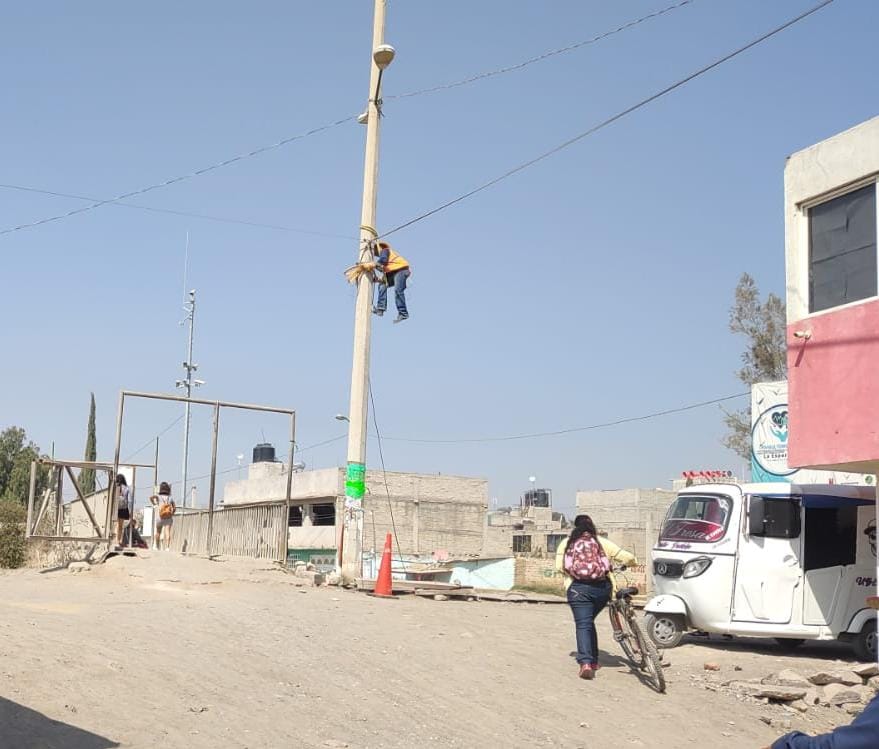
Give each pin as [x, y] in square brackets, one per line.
[355, 484]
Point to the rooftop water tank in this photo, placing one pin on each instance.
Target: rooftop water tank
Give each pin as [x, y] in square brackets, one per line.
[264, 453]
[537, 498]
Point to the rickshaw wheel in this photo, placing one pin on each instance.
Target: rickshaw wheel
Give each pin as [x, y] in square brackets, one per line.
[865, 642]
[666, 630]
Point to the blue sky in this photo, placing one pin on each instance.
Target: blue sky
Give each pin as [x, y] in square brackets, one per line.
[594, 286]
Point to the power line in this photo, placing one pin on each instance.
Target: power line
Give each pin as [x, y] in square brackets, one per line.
[182, 177]
[97, 203]
[145, 445]
[321, 444]
[187, 214]
[385, 476]
[543, 56]
[609, 120]
[555, 433]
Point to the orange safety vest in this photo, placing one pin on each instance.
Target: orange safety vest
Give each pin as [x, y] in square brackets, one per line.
[395, 262]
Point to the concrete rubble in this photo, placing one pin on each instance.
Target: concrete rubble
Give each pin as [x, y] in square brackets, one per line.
[848, 678]
[847, 689]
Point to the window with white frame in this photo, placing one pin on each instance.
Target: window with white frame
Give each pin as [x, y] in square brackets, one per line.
[842, 249]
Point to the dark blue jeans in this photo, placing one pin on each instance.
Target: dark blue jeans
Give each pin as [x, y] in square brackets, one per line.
[398, 280]
[587, 600]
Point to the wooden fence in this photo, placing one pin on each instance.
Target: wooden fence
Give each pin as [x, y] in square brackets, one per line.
[257, 531]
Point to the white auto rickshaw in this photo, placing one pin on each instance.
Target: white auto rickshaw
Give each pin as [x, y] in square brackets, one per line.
[785, 561]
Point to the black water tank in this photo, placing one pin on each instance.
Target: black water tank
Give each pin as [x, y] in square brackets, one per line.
[537, 498]
[264, 453]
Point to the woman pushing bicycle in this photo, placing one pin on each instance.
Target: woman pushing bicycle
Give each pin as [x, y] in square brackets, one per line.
[586, 560]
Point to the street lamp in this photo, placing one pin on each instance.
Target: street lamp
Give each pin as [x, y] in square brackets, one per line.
[383, 55]
[342, 417]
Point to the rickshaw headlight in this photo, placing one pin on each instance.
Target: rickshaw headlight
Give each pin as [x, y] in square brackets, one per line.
[697, 566]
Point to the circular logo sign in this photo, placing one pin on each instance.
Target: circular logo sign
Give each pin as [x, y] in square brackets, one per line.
[769, 441]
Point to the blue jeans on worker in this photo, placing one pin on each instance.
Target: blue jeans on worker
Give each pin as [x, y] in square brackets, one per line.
[587, 600]
[398, 280]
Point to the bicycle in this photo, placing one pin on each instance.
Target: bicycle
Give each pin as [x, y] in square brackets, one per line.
[629, 632]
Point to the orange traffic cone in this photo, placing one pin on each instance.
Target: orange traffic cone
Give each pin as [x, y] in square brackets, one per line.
[383, 587]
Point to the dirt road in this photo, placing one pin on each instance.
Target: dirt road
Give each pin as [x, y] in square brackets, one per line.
[181, 652]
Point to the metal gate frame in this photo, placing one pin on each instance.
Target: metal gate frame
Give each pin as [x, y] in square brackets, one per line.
[217, 405]
[59, 468]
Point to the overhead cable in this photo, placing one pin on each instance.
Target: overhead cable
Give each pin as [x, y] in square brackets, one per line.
[187, 214]
[608, 121]
[97, 203]
[180, 178]
[153, 439]
[557, 432]
[540, 57]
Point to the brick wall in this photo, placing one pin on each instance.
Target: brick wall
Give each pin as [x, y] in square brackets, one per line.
[431, 513]
[541, 572]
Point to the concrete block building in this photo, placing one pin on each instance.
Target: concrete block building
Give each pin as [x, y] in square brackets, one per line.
[631, 518]
[433, 514]
[830, 196]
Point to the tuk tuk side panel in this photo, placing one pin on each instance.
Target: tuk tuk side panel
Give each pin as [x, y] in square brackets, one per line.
[858, 582]
[769, 576]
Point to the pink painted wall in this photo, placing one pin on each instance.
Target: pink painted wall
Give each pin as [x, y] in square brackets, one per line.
[834, 387]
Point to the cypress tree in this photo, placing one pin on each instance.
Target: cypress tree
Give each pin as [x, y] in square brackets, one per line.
[87, 475]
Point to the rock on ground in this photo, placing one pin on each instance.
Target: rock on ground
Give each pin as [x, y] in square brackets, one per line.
[768, 691]
[848, 678]
[866, 670]
[788, 678]
[840, 694]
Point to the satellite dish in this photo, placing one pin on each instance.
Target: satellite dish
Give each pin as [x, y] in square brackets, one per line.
[532, 479]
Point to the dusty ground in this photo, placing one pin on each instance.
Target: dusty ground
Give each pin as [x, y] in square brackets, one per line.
[176, 652]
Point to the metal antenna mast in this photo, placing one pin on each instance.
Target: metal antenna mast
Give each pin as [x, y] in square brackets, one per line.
[188, 367]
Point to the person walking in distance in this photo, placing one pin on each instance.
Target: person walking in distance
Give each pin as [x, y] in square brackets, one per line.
[585, 561]
[165, 509]
[123, 506]
[396, 271]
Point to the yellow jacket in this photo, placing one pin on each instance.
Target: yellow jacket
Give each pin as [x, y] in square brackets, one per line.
[390, 261]
[616, 554]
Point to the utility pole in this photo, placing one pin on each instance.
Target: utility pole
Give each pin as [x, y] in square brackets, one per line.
[187, 384]
[355, 478]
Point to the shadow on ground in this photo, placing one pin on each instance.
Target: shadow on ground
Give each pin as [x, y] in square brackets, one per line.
[24, 728]
[762, 646]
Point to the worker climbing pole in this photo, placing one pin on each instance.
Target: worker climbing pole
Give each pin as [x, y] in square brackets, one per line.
[385, 268]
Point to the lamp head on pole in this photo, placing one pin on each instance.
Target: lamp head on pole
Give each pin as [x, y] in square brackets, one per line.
[383, 55]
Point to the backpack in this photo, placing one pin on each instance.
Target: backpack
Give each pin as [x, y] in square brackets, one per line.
[166, 510]
[585, 560]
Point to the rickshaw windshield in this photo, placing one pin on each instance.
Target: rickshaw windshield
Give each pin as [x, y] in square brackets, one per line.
[697, 518]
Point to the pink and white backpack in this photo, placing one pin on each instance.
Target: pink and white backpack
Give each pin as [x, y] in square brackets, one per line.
[585, 560]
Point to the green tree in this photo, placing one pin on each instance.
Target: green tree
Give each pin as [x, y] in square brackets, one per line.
[16, 455]
[12, 544]
[764, 359]
[87, 475]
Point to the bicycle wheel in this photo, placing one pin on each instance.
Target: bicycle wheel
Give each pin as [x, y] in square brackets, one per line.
[649, 656]
[622, 633]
